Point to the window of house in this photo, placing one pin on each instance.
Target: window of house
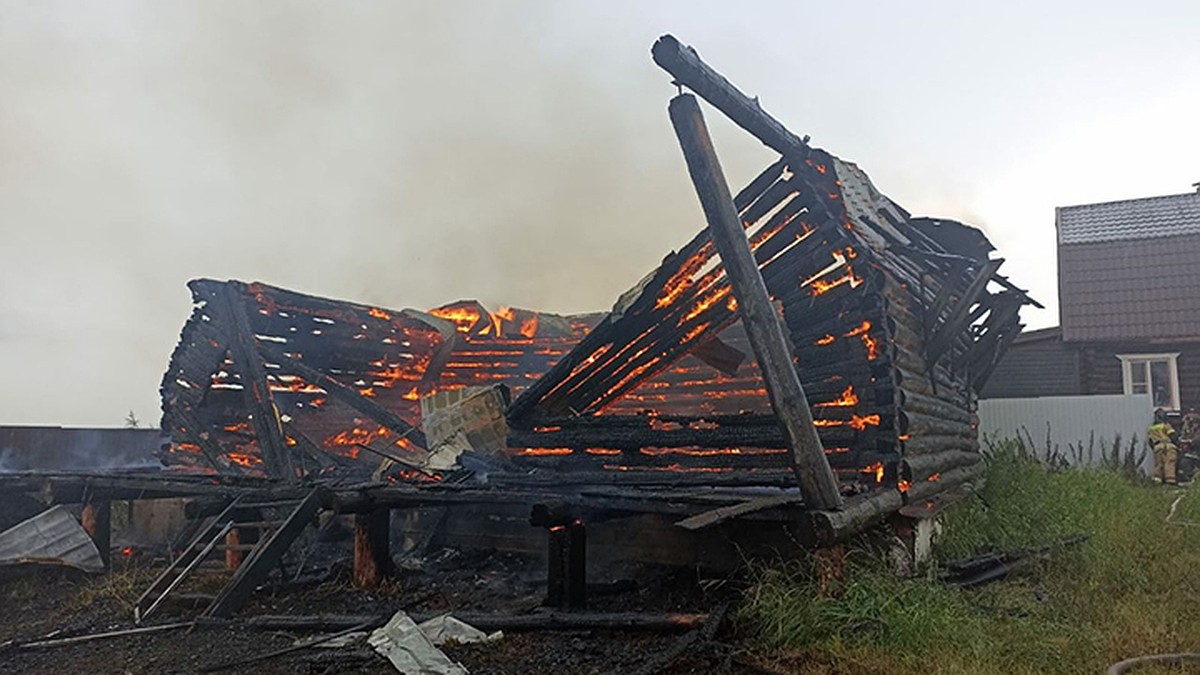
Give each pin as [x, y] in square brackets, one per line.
[1154, 374]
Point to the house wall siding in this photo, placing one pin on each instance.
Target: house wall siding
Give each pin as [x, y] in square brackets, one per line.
[1101, 369]
[1038, 368]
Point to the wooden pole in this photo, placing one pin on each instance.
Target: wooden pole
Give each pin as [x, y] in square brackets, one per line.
[762, 323]
[97, 522]
[234, 555]
[372, 554]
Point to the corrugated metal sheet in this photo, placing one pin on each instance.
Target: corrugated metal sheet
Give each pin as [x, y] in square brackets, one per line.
[1130, 219]
[1070, 421]
[1123, 290]
[53, 536]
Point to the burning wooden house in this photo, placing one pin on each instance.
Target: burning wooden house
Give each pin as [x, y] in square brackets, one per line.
[893, 323]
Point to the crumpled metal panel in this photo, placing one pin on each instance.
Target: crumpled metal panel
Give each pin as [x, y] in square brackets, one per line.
[51, 537]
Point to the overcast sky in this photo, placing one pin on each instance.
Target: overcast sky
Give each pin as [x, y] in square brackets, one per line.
[518, 153]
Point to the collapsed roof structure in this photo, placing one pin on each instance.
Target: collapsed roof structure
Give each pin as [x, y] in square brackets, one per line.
[894, 321]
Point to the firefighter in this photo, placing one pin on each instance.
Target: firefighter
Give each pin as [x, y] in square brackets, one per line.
[1165, 452]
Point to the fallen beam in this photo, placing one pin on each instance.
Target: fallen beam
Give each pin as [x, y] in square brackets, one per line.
[550, 620]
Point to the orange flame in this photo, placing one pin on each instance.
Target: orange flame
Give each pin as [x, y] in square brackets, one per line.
[357, 436]
[877, 469]
[861, 423]
[379, 314]
[543, 452]
[841, 258]
[827, 340]
[872, 345]
[847, 399]
[682, 279]
[243, 459]
[464, 318]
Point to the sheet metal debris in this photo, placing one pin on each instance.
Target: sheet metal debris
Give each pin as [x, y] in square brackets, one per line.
[402, 642]
[52, 537]
[446, 628]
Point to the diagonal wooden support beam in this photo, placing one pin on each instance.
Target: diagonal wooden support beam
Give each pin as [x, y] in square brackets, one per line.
[763, 327]
[256, 390]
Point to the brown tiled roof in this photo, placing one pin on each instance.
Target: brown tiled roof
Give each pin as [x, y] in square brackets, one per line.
[1130, 289]
[1143, 218]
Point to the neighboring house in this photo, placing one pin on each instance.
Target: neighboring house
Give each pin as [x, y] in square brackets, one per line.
[1129, 307]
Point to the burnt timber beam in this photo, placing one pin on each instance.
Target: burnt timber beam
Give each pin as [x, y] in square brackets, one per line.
[345, 394]
[949, 284]
[256, 390]
[759, 317]
[961, 313]
[685, 65]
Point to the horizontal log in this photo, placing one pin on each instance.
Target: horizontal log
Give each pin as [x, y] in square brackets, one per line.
[486, 622]
[920, 467]
[831, 527]
[946, 481]
[916, 424]
[921, 445]
[666, 479]
[913, 402]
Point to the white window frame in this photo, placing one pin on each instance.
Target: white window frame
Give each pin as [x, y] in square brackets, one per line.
[1172, 359]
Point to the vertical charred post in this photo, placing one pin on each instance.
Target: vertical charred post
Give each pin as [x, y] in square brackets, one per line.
[762, 323]
[96, 518]
[566, 555]
[372, 556]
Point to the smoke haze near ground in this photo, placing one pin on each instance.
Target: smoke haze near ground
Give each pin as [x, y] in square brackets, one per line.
[519, 153]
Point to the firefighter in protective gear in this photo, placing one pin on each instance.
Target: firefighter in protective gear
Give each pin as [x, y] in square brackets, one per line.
[1165, 452]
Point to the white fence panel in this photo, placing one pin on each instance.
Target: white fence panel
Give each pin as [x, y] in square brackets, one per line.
[1071, 421]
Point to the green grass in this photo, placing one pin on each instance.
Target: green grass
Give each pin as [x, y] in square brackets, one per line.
[1133, 588]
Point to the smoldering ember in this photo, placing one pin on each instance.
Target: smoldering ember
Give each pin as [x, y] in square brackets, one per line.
[580, 493]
